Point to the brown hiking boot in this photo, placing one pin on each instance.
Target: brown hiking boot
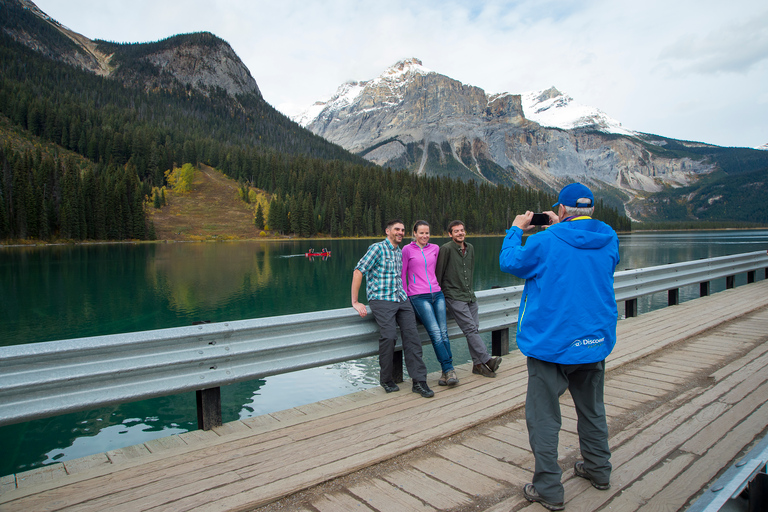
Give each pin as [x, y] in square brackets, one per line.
[483, 369]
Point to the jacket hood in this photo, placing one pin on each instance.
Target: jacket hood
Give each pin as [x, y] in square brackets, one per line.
[584, 233]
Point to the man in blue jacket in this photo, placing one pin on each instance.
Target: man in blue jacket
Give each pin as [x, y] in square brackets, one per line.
[566, 328]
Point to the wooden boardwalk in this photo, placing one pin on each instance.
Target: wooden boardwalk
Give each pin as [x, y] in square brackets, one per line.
[686, 394]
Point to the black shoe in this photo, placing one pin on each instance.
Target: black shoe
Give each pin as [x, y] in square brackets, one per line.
[532, 495]
[578, 470]
[390, 386]
[422, 388]
[493, 363]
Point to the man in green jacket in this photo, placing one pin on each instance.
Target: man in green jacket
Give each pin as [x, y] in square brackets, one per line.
[454, 271]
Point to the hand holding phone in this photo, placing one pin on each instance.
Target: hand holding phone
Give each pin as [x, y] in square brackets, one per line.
[540, 219]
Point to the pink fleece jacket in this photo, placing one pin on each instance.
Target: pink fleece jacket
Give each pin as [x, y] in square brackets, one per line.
[419, 269]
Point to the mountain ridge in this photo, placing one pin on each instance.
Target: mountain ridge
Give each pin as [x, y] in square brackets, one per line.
[431, 124]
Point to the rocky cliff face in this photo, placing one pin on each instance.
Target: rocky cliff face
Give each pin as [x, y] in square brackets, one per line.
[201, 61]
[413, 118]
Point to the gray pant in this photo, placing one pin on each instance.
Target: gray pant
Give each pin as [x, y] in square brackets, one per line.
[468, 320]
[389, 315]
[546, 383]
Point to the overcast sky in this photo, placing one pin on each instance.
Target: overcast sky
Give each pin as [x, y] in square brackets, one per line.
[688, 69]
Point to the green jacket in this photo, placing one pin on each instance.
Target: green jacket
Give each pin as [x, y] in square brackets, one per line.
[455, 271]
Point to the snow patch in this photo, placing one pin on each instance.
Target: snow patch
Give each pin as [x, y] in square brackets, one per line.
[554, 109]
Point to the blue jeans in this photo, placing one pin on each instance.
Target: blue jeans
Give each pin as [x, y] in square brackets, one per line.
[430, 311]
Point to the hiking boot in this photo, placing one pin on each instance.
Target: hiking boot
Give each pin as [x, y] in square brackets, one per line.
[443, 380]
[532, 495]
[451, 378]
[493, 363]
[390, 386]
[483, 369]
[578, 470]
[422, 388]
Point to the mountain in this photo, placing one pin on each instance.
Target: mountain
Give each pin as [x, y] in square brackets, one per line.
[413, 118]
[94, 133]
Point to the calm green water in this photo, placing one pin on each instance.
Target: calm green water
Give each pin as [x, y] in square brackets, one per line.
[62, 292]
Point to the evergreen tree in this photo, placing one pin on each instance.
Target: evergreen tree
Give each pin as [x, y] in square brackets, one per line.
[259, 219]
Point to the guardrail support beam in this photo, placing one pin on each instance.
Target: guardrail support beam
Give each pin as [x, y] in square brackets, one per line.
[397, 366]
[630, 308]
[751, 276]
[704, 289]
[673, 297]
[730, 282]
[208, 408]
[500, 342]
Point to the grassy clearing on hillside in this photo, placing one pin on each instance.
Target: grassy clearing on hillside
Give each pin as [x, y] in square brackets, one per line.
[211, 210]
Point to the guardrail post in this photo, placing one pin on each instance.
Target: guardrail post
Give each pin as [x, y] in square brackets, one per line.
[208, 408]
[673, 297]
[630, 308]
[730, 282]
[500, 342]
[397, 366]
[704, 289]
[751, 276]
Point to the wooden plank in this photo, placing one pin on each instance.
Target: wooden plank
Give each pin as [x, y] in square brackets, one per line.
[500, 450]
[40, 475]
[338, 502]
[7, 483]
[643, 489]
[457, 476]
[121, 455]
[484, 464]
[164, 443]
[638, 392]
[384, 497]
[698, 474]
[648, 379]
[85, 463]
[710, 434]
[429, 490]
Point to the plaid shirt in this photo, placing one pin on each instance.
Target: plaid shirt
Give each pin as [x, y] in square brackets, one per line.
[382, 267]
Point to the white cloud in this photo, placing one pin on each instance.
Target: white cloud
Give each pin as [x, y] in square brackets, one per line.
[639, 62]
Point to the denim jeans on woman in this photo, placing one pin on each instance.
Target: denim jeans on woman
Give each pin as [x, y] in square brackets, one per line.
[430, 310]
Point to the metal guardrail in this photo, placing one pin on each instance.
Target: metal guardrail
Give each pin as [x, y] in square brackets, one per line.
[40, 380]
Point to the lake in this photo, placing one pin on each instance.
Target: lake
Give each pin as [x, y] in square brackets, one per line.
[72, 291]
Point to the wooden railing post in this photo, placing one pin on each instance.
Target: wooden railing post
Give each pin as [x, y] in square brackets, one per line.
[397, 366]
[673, 297]
[750, 276]
[630, 308]
[208, 408]
[704, 289]
[500, 342]
[730, 282]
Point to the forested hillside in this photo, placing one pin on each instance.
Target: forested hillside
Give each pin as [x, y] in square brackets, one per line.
[81, 155]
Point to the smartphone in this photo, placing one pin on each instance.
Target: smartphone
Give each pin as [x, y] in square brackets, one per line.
[540, 219]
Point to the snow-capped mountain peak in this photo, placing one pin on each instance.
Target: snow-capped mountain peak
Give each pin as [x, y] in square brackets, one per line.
[393, 78]
[764, 147]
[552, 108]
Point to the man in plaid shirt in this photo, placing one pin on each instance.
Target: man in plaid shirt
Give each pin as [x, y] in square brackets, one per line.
[383, 265]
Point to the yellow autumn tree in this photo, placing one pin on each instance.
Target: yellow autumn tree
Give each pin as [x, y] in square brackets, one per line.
[180, 178]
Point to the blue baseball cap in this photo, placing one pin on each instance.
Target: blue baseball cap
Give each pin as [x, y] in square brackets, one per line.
[570, 195]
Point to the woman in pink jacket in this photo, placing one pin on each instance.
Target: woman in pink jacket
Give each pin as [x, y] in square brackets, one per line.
[427, 299]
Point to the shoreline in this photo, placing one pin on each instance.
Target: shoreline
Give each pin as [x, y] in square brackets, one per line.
[282, 238]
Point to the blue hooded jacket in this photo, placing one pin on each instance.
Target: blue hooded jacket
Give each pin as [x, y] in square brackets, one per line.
[568, 310]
